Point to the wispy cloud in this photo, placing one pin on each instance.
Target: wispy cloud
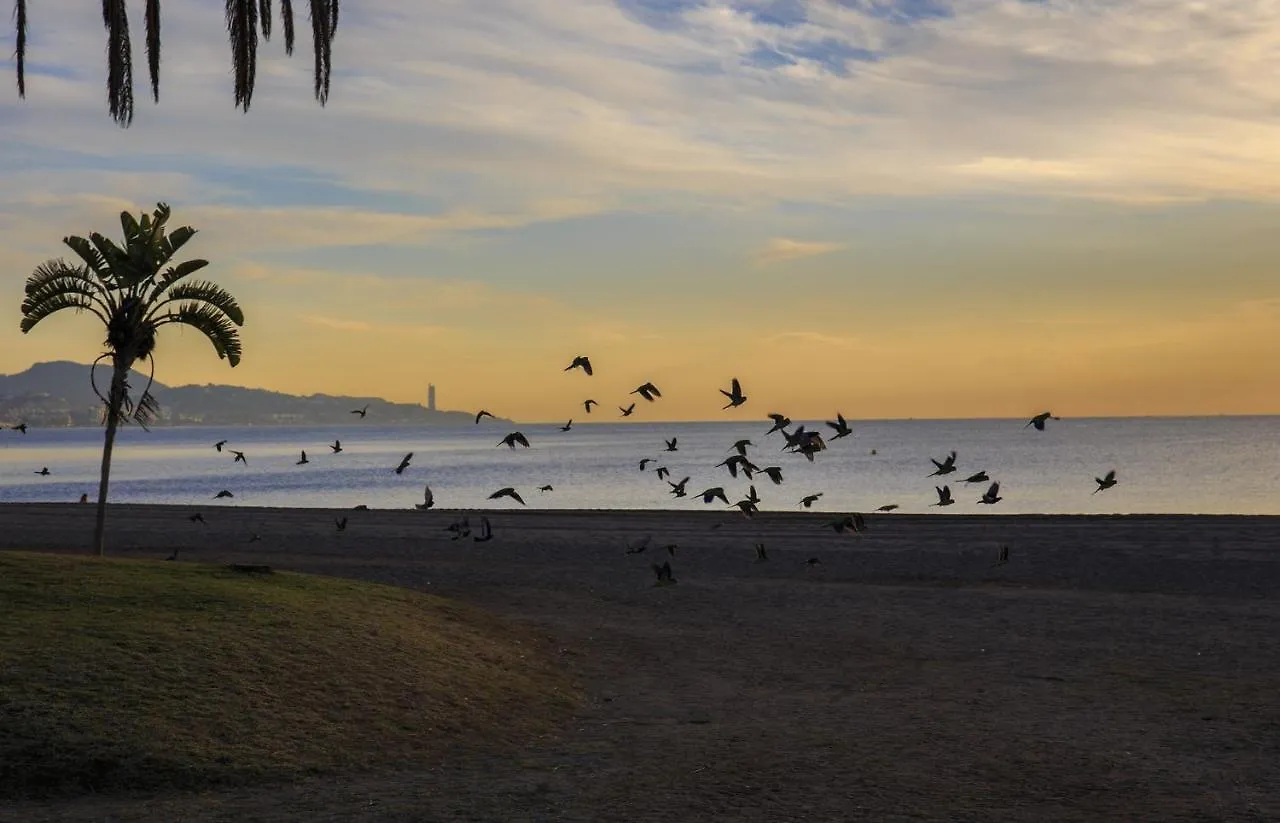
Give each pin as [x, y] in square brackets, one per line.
[779, 249]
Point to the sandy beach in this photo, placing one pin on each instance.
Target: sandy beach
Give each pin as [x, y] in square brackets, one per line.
[1117, 668]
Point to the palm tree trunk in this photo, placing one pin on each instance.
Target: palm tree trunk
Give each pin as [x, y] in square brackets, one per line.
[114, 400]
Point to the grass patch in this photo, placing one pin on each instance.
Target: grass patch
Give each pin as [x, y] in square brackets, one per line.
[132, 675]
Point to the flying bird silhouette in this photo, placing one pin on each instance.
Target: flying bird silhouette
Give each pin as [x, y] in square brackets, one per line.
[741, 447]
[628, 410]
[404, 463]
[887, 507]
[581, 362]
[944, 496]
[992, 495]
[512, 439]
[44, 472]
[747, 507]
[302, 461]
[849, 523]
[482, 413]
[841, 426]
[1105, 482]
[735, 395]
[507, 492]
[428, 499]
[222, 494]
[239, 457]
[775, 474]
[1039, 420]
[671, 444]
[945, 467]
[663, 472]
[736, 462]
[980, 477]
[21, 428]
[713, 493]
[587, 404]
[546, 488]
[567, 426]
[336, 447]
[808, 500]
[220, 444]
[648, 391]
[362, 412]
[677, 489]
[780, 422]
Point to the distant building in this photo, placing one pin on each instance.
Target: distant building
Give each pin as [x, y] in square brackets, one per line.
[431, 396]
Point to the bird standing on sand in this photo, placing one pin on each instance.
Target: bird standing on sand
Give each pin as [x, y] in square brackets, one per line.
[735, 396]
[1106, 482]
[197, 518]
[841, 426]
[992, 495]
[482, 413]
[808, 500]
[512, 439]
[1039, 420]
[220, 444]
[341, 523]
[581, 362]
[628, 410]
[239, 457]
[1004, 556]
[222, 494]
[486, 531]
[404, 463]
[945, 467]
[663, 572]
[944, 496]
[336, 447]
[508, 491]
[302, 461]
[362, 412]
[428, 499]
[762, 556]
[84, 498]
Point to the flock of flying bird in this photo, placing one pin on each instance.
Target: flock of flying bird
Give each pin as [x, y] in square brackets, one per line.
[797, 440]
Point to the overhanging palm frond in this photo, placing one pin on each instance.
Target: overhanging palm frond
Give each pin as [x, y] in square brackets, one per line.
[242, 28]
[20, 49]
[324, 20]
[213, 323]
[264, 17]
[57, 277]
[202, 291]
[286, 18]
[153, 46]
[171, 243]
[119, 61]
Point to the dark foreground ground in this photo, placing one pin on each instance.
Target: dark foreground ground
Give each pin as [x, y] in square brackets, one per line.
[1117, 668]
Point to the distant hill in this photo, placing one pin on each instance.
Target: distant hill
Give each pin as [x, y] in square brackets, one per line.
[59, 394]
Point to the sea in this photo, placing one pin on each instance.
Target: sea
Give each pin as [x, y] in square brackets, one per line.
[1187, 465]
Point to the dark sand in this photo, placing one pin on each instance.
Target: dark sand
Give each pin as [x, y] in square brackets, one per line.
[1118, 668]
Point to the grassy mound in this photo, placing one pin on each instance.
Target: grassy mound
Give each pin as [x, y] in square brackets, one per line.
[123, 675]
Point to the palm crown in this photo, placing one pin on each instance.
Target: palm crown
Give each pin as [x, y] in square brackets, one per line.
[134, 290]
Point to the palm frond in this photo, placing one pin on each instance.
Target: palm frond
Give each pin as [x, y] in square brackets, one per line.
[20, 49]
[153, 46]
[90, 255]
[203, 291]
[119, 61]
[33, 314]
[286, 19]
[264, 17]
[172, 243]
[115, 259]
[56, 277]
[173, 274]
[324, 23]
[211, 322]
[242, 27]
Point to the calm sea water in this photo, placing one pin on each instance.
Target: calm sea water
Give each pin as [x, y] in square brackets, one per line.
[1226, 465]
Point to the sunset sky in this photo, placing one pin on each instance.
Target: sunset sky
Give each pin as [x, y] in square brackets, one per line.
[889, 207]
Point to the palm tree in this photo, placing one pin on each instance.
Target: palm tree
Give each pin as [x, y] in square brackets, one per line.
[134, 291]
[243, 20]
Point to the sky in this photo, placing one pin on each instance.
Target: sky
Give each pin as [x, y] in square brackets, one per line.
[891, 208]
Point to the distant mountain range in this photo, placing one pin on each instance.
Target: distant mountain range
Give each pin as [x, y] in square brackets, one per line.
[59, 394]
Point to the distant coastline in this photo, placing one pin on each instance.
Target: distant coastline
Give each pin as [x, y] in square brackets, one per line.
[59, 395]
